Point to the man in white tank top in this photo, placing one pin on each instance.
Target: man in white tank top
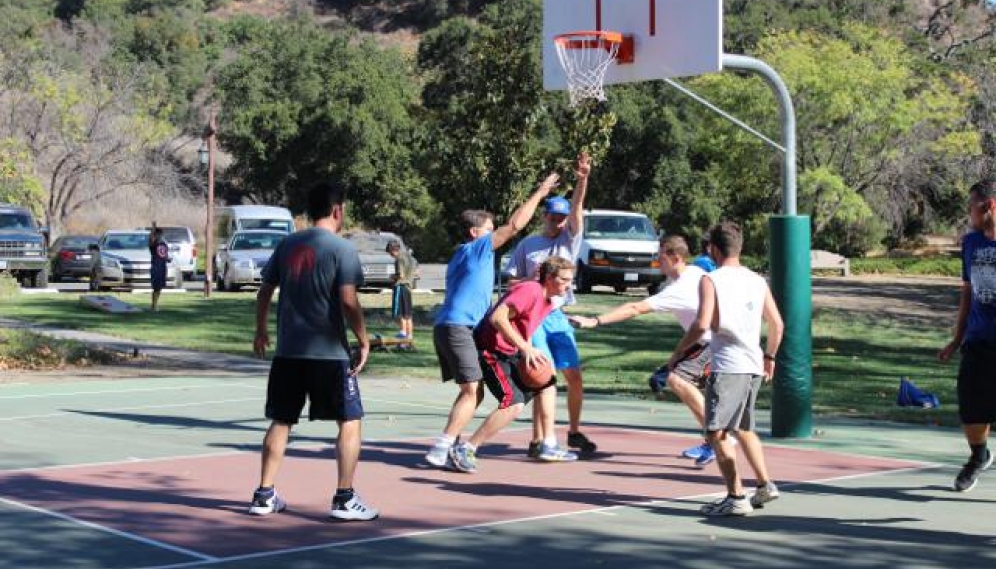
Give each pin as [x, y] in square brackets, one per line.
[733, 300]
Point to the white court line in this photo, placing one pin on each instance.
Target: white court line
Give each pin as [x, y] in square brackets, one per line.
[144, 540]
[477, 528]
[134, 460]
[132, 408]
[122, 391]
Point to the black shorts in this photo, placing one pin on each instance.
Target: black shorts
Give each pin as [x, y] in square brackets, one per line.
[158, 275]
[977, 384]
[502, 378]
[401, 301]
[333, 394]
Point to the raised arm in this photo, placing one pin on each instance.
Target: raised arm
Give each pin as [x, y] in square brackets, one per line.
[521, 216]
[582, 169]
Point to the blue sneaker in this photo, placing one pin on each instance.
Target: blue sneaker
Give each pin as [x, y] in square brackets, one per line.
[696, 451]
[707, 457]
[556, 453]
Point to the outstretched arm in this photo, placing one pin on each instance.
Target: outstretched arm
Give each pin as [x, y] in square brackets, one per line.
[617, 314]
[582, 169]
[521, 216]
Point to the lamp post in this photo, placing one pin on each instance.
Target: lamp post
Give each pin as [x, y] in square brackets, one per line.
[206, 155]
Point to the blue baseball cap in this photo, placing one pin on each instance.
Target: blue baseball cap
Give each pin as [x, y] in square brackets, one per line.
[558, 205]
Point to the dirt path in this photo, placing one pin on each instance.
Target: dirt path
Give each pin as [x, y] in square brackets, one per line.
[922, 300]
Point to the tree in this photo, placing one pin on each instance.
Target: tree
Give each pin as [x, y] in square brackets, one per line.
[859, 118]
[299, 104]
[84, 126]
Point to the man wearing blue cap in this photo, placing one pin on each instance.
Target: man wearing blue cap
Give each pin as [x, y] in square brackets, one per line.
[561, 237]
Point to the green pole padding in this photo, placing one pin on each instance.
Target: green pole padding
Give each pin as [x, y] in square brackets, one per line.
[791, 285]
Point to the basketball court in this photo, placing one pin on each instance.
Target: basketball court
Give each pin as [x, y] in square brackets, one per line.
[158, 473]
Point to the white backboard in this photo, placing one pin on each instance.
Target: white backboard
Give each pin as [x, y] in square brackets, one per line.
[672, 38]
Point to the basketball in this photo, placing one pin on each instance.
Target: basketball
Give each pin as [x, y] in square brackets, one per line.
[535, 377]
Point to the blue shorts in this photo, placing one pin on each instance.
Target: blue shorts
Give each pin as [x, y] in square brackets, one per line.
[556, 339]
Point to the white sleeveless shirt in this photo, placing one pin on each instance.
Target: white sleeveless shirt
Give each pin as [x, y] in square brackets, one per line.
[736, 340]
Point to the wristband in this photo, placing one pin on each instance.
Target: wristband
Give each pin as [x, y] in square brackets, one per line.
[770, 357]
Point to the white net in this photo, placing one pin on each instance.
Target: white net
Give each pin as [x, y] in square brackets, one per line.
[585, 57]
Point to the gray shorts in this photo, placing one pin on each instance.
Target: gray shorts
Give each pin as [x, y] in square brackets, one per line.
[694, 365]
[457, 353]
[729, 401]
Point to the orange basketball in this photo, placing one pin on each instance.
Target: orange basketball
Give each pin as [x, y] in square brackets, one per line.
[536, 376]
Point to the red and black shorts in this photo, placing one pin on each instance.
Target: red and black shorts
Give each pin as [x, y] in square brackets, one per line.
[333, 393]
[502, 378]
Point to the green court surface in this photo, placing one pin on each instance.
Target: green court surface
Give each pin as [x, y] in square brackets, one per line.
[148, 438]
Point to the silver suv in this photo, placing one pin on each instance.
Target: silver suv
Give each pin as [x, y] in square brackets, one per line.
[22, 246]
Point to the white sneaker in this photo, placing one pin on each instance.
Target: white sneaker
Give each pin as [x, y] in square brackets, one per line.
[353, 510]
[438, 455]
[728, 506]
[266, 503]
[764, 494]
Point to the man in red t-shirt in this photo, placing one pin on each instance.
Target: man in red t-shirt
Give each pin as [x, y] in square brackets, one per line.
[502, 339]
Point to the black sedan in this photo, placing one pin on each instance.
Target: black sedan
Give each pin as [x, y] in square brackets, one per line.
[69, 257]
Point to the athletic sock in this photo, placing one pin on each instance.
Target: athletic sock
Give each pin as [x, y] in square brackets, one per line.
[445, 440]
[978, 452]
[342, 495]
[735, 497]
[471, 446]
[265, 490]
[550, 442]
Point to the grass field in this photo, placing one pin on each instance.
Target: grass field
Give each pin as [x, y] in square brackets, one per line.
[857, 359]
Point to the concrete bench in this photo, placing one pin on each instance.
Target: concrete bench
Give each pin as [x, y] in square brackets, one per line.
[825, 260]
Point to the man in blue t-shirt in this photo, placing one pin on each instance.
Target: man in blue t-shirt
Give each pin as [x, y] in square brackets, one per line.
[318, 273]
[975, 334]
[470, 277]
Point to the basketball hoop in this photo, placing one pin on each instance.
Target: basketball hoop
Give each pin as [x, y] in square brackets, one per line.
[585, 57]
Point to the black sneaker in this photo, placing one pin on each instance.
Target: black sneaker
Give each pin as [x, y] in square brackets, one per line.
[581, 442]
[534, 449]
[969, 474]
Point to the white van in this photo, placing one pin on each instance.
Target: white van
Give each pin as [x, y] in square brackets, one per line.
[618, 249]
[229, 219]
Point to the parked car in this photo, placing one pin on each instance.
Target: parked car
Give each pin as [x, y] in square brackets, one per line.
[22, 246]
[619, 249]
[69, 256]
[378, 266]
[244, 256]
[121, 259]
[229, 219]
[182, 247]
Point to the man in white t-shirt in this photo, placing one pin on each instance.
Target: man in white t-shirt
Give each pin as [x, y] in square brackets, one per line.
[733, 302]
[681, 298]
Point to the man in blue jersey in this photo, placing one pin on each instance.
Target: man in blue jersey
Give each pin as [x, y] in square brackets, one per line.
[470, 277]
[975, 334]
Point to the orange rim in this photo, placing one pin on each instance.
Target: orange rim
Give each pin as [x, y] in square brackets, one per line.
[588, 39]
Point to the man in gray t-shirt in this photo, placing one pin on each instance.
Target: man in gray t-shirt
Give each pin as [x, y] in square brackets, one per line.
[318, 273]
[561, 237]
